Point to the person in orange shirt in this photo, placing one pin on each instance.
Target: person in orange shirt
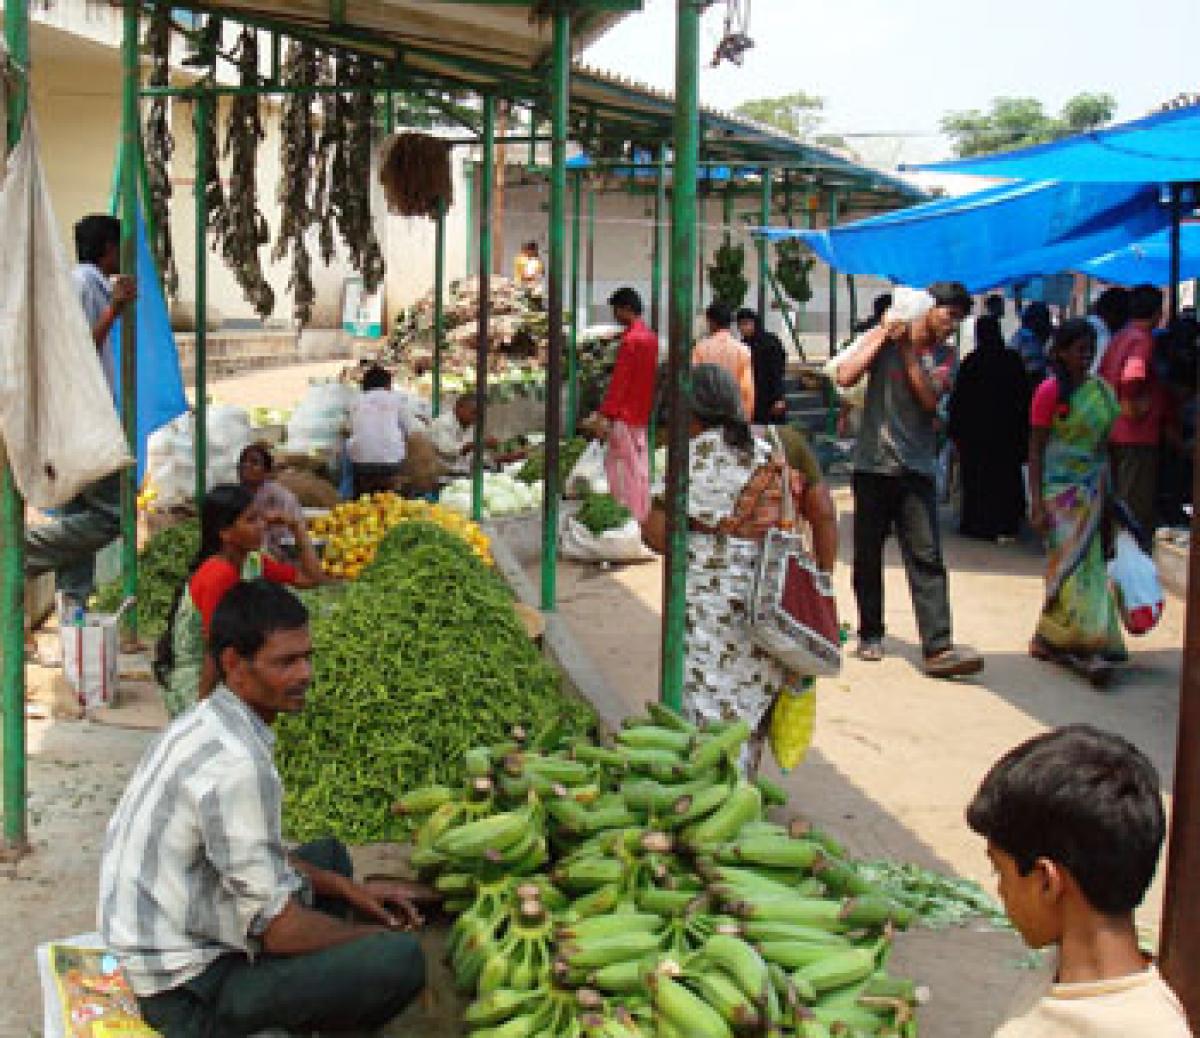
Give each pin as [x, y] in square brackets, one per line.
[722, 349]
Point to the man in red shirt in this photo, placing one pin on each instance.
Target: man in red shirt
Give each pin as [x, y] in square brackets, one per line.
[627, 406]
[1128, 366]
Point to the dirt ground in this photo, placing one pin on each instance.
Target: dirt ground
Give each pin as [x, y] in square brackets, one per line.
[896, 756]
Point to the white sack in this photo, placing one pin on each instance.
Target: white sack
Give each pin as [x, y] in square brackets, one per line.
[57, 419]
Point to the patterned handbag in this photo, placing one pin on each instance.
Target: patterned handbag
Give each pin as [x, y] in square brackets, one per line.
[791, 608]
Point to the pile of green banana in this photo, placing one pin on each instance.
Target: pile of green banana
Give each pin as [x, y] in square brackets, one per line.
[637, 889]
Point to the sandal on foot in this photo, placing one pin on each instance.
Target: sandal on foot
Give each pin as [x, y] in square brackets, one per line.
[870, 651]
[953, 663]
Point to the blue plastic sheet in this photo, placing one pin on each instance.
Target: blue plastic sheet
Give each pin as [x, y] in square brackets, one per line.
[160, 395]
[1158, 149]
[992, 237]
[1149, 261]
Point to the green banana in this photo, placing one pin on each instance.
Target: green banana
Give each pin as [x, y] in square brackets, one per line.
[603, 951]
[744, 965]
[653, 737]
[477, 762]
[720, 992]
[589, 873]
[743, 804]
[861, 913]
[424, 801]
[839, 969]
[686, 1012]
[776, 851]
[773, 794]
[496, 833]
[667, 718]
[611, 925]
[599, 901]
[497, 1006]
[692, 807]
[794, 955]
[712, 749]
[774, 930]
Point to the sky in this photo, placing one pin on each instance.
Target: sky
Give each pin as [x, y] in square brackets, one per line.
[896, 66]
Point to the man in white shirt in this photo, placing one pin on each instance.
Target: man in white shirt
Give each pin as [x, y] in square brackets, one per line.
[380, 422]
[453, 436]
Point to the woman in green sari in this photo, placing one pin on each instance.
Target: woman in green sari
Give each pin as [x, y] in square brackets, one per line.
[231, 538]
[1071, 416]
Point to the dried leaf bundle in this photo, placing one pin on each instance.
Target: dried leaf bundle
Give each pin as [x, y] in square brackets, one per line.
[159, 147]
[417, 175]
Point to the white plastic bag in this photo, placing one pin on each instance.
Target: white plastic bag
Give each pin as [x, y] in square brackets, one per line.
[588, 475]
[57, 418]
[855, 395]
[1139, 591]
[623, 544]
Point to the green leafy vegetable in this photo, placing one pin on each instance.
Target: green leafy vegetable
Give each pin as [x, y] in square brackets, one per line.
[162, 566]
[603, 512]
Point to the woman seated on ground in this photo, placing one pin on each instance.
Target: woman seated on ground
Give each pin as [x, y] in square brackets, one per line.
[256, 471]
[231, 539]
[1072, 415]
[735, 498]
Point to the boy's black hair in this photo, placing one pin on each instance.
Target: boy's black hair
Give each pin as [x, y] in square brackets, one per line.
[720, 315]
[249, 614]
[376, 377]
[93, 235]
[880, 305]
[1145, 302]
[1112, 307]
[628, 298]
[1085, 799]
[262, 451]
[994, 305]
[951, 293]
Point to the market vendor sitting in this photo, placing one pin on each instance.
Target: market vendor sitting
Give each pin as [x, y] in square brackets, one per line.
[220, 931]
[256, 472]
[453, 436]
[232, 527]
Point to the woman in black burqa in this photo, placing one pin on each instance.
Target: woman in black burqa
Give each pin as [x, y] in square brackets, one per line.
[989, 423]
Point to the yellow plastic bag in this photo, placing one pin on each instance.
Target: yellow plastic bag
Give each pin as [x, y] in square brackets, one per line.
[793, 718]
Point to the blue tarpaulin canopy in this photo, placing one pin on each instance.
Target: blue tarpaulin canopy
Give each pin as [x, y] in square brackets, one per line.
[992, 237]
[1149, 261]
[1159, 149]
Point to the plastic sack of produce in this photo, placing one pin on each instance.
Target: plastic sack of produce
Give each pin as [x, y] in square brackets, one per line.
[1139, 591]
[793, 719]
[588, 475]
[57, 418]
[624, 544]
[317, 422]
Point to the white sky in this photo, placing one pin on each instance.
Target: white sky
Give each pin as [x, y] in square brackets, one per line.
[896, 66]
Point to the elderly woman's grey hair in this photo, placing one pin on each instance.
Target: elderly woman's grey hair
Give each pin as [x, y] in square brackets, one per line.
[717, 403]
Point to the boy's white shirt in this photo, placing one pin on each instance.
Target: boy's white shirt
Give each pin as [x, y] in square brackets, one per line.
[1140, 1005]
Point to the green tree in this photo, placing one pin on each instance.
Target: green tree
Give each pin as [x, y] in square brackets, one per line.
[798, 114]
[1017, 122]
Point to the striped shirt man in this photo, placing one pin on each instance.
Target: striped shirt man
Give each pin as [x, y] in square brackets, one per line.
[194, 865]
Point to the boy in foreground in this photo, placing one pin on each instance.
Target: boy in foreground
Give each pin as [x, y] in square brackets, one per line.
[1074, 824]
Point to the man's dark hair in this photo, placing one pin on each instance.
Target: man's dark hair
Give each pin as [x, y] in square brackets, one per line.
[376, 377]
[746, 314]
[994, 305]
[951, 293]
[628, 298]
[93, 235]
[720, 314]
[1085, 799]
[260, 451]
[1112, 307]
[1145, 302]
[249, 614]
[881, 305]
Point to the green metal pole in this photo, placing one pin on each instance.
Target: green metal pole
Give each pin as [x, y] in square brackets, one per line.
[129, 214]
[764, 259]
[202, 117]
[389, 114]
[701, 243]
[439, 303]
[12, 515]
[852, 288]
[573, 345]
[560, 97]
[487, 170]
[833, 288]
[679, 377]
[590, 293]
[656, 245]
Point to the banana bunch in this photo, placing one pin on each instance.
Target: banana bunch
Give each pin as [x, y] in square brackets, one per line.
[637, 888]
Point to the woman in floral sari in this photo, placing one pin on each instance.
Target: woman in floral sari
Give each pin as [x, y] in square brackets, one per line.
[735, 497]
[1071, 416]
